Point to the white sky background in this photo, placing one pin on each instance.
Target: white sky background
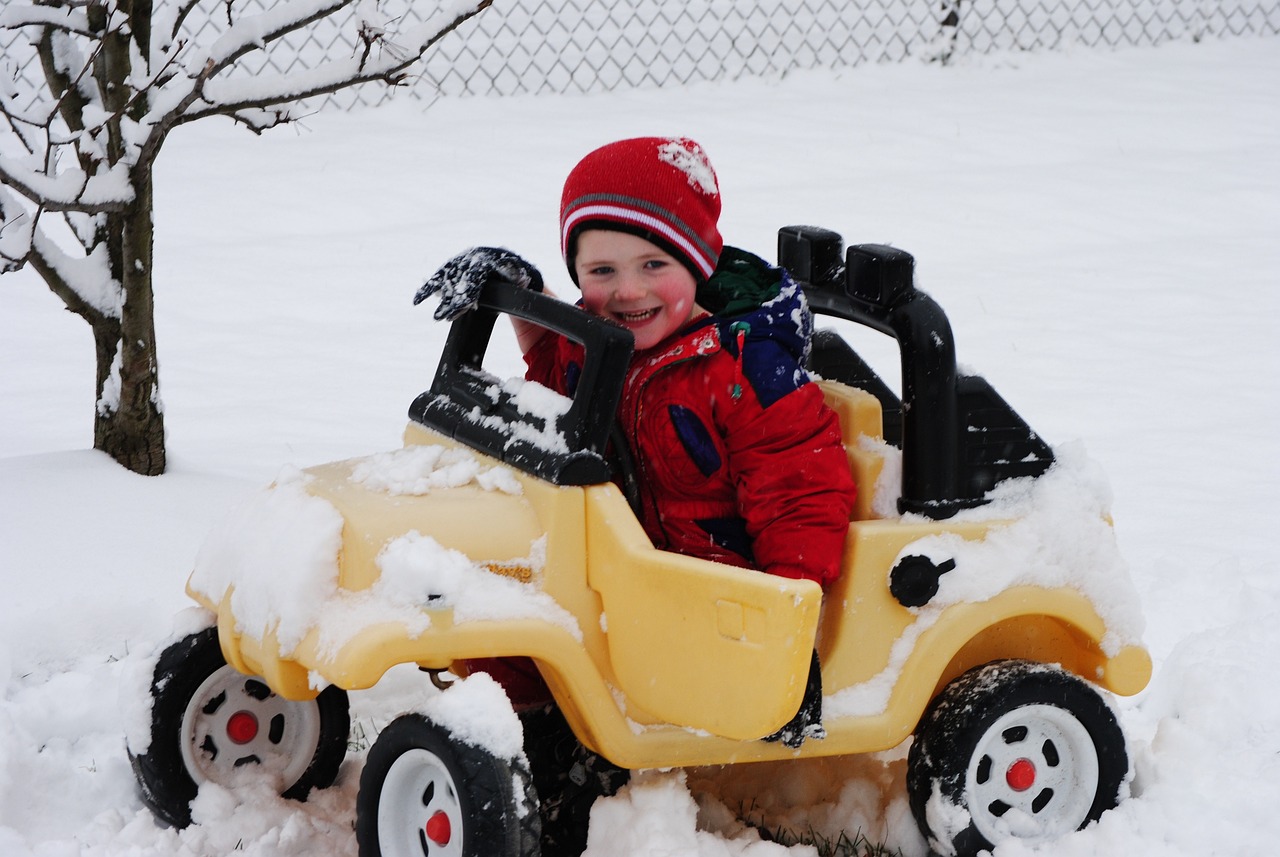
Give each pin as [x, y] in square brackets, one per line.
[1100, 227]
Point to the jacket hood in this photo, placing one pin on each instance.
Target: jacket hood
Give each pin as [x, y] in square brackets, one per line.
[757, 301]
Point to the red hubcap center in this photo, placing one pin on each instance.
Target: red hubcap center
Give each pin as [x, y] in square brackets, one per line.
[1021, 775]
[242, 727]
[438, 829]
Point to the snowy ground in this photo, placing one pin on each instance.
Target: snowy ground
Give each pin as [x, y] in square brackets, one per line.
[1101, 227]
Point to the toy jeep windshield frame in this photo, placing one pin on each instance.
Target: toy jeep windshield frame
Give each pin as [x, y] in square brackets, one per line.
[473, 407]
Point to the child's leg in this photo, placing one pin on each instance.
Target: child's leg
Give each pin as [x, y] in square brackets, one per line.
[568, 779]
[808, 720]
[519, 677]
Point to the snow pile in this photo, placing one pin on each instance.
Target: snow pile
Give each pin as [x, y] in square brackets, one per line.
[418, 572]
[888, 488]
[476, 711]
[540, 409]
[278, 553]
[688, 157]
[655, 814]
[421, 469]
[1059, 535]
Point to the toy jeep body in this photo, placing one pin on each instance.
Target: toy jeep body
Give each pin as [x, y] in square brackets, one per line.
[662, 660]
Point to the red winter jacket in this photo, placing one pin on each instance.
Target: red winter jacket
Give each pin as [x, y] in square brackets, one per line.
[739, 460]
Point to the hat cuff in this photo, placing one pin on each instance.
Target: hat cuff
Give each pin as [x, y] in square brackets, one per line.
[676, 232]
[632, 228]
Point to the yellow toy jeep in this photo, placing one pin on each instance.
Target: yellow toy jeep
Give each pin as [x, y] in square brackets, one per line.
[977, 608]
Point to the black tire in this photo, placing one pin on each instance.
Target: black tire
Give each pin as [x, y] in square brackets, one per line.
[210, 722]
[1027, 751]
[426, 795]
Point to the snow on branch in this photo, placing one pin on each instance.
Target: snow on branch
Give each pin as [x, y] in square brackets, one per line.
[57, 17]
[71, 189]
[83, 282]
[16, 227]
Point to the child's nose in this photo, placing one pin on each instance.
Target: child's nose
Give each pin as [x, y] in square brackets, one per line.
[630, 288]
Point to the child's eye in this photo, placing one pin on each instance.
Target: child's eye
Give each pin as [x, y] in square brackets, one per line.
[654, 264]
[600, 270]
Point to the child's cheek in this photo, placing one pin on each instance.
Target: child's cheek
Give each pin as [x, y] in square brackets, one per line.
[593, 302]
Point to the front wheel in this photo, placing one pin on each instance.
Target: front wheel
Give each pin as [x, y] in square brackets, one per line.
[423, 794]
[211, 723]
[1013, 750]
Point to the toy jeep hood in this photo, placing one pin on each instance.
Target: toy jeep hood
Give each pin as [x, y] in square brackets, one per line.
[493, 526]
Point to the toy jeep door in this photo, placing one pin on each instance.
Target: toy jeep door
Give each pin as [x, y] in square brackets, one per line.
[693, 642]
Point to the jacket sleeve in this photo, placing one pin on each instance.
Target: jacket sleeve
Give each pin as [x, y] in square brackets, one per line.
[551, 362]
[794, 487]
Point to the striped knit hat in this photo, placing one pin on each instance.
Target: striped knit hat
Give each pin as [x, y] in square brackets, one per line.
[662, 189]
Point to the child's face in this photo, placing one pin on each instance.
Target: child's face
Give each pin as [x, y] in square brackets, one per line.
[635, 283]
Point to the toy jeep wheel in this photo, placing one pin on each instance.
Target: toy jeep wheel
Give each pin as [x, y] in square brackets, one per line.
[1013, 750]
[211, 723]
[426, 795]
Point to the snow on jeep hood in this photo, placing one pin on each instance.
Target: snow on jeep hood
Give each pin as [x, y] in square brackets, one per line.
[282, 552]
[278, 550]
[420, 469]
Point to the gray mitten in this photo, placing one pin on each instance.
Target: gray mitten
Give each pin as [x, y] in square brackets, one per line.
[458, 282]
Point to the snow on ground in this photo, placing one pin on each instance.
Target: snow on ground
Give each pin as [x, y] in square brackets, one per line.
[1101, 228]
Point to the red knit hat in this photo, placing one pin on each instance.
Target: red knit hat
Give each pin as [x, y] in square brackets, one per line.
[660, 188]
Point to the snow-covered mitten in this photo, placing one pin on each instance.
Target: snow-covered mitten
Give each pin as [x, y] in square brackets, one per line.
[459, 281]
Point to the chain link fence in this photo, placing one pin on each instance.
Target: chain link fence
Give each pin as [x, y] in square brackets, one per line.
[587, 46]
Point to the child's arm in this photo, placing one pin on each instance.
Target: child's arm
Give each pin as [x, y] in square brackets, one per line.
[795, 490]
[528, 333]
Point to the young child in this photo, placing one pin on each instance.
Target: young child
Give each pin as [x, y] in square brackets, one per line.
[738, 458]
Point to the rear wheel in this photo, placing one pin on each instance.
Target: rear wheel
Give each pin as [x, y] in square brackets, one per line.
[1013, 750]
[211, 723]
[422, 794]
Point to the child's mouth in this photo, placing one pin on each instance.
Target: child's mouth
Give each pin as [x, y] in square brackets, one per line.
[638, 316]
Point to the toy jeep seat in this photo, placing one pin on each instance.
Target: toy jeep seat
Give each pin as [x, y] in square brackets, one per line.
[860, 418]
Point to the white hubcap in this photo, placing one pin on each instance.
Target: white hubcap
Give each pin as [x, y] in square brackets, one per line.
[234, 726]
[1033, 775]
[418, 809]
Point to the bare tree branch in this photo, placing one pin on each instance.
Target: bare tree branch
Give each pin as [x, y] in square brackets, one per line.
[183, 11]
[330, 77]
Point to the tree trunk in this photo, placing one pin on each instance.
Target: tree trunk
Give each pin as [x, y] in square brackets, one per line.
[129, 419]
[129, 423]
